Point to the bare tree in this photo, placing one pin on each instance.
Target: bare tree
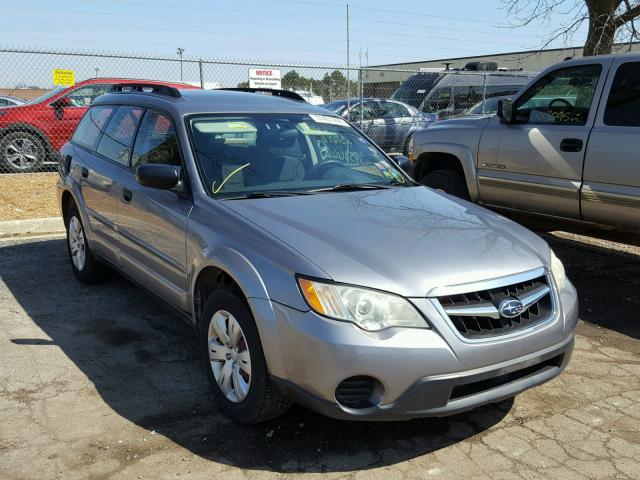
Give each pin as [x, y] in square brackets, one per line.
[609, 20]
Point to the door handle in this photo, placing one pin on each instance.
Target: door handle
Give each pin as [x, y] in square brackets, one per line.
[127, 195]
[571, 145]
[84, 172]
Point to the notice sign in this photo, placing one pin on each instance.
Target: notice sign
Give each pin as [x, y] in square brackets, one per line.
[65, 78]
[265, 78]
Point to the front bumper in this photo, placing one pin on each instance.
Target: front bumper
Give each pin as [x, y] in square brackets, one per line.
[448, 394]
[421, 372]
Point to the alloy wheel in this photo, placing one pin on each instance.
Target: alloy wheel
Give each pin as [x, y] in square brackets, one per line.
[21, 153]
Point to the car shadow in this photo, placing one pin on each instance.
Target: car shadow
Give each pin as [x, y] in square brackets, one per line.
[144, 364]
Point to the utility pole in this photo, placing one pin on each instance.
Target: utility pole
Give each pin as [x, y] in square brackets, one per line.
[180, 51]
[348, 65]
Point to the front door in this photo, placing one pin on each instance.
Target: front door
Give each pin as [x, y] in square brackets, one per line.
[535, 163]
[153, 223]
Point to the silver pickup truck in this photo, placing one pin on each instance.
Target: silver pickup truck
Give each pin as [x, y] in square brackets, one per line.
[567, 145]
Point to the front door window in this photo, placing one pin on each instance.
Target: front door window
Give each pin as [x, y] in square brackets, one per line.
[562, 97]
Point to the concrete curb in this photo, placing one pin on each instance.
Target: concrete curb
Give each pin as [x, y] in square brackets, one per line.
[33, 226]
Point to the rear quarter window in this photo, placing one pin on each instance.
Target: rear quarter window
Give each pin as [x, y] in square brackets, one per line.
[90, 128]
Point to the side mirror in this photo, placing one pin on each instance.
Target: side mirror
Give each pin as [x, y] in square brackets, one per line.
[404, 163]
[505, 110]
[61, 103]
[157, 175]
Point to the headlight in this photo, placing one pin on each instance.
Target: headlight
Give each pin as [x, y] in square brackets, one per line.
[368, 309]
[557, 270]
[410, 149]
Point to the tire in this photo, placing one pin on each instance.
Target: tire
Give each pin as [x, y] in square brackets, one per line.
[238, 375]
[86, 268]
[447, 180]
[21, 152]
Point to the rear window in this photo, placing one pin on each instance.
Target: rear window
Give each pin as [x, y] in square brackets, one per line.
[623, 105]
[90, 127]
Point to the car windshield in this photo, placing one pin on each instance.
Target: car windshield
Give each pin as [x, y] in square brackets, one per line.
[47, 95]
[264, 154]
[415, 88]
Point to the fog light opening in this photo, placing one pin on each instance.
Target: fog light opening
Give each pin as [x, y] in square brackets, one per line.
[359, 392]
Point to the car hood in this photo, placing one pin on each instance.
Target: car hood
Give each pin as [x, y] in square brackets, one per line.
[478, 121]
[402, 240]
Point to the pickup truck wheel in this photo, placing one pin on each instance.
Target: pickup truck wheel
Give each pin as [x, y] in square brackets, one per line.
[450, 181]
[21, 152]
[84, 265]
[234, 360]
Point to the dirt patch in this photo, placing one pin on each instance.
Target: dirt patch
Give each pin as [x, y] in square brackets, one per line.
[29, 195]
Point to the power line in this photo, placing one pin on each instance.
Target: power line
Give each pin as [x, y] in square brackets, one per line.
[207, 32]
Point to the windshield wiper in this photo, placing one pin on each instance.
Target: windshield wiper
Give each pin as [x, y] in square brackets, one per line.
[350, 187]
[276, 193]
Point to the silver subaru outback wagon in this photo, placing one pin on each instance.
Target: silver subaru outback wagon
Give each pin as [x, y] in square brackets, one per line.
[314, 270]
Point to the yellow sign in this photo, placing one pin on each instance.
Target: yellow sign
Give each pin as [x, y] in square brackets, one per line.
[66, 78]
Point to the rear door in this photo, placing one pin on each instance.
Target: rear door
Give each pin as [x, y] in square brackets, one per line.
[611, 189]
[390, 125]
[96, 176]
[535, 163]
[153, 223]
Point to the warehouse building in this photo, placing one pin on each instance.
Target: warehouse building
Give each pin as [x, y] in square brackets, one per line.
[381, 80]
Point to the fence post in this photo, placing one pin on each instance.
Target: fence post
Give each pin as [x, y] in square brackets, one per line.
[484, 91]
[201, 76]
[361, 97]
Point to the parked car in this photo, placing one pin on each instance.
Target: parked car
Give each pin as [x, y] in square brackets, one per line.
[484, 107]
[387, 122]
[451, 92]
[267, 223]
[310, 97]
[566, 146]
[31, 134]
[8, 101]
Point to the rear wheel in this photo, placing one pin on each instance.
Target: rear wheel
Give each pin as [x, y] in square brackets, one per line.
[234, 360]
[84, 265]
[450, 181]
[22, 152]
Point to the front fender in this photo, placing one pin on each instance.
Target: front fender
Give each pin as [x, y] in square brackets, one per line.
[463, 153]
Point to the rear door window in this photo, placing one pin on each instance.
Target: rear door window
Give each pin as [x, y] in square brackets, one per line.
[623, 104]
[90, 127]
[115, 143]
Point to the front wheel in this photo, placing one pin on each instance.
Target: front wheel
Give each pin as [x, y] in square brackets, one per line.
[447, 180]
[234, 360]
[21, 152]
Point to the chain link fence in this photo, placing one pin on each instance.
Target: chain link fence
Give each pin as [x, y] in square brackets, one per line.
[38, 117]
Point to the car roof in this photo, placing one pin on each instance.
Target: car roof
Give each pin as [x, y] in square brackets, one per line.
[90, 81]
[211, 101]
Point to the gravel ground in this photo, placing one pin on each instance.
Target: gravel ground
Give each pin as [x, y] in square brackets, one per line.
[103, 382]
[28, 195]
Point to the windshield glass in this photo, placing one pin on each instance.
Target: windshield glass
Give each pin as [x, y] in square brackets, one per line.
[46, 96]
[262, 154]
[415, 88]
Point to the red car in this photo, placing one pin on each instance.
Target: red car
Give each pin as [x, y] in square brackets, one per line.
[31, 134]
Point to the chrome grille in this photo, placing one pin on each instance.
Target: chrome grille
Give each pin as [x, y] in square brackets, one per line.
[476, 315]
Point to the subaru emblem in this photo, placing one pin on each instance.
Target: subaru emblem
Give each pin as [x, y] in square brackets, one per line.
[510, 308]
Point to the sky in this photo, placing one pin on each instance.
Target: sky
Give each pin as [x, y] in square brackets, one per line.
[299, 31]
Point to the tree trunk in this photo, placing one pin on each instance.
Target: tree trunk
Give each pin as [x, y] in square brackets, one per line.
[602, 27]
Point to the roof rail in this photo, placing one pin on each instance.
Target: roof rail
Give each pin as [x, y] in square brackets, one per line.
[146, 88]
[268, 91]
